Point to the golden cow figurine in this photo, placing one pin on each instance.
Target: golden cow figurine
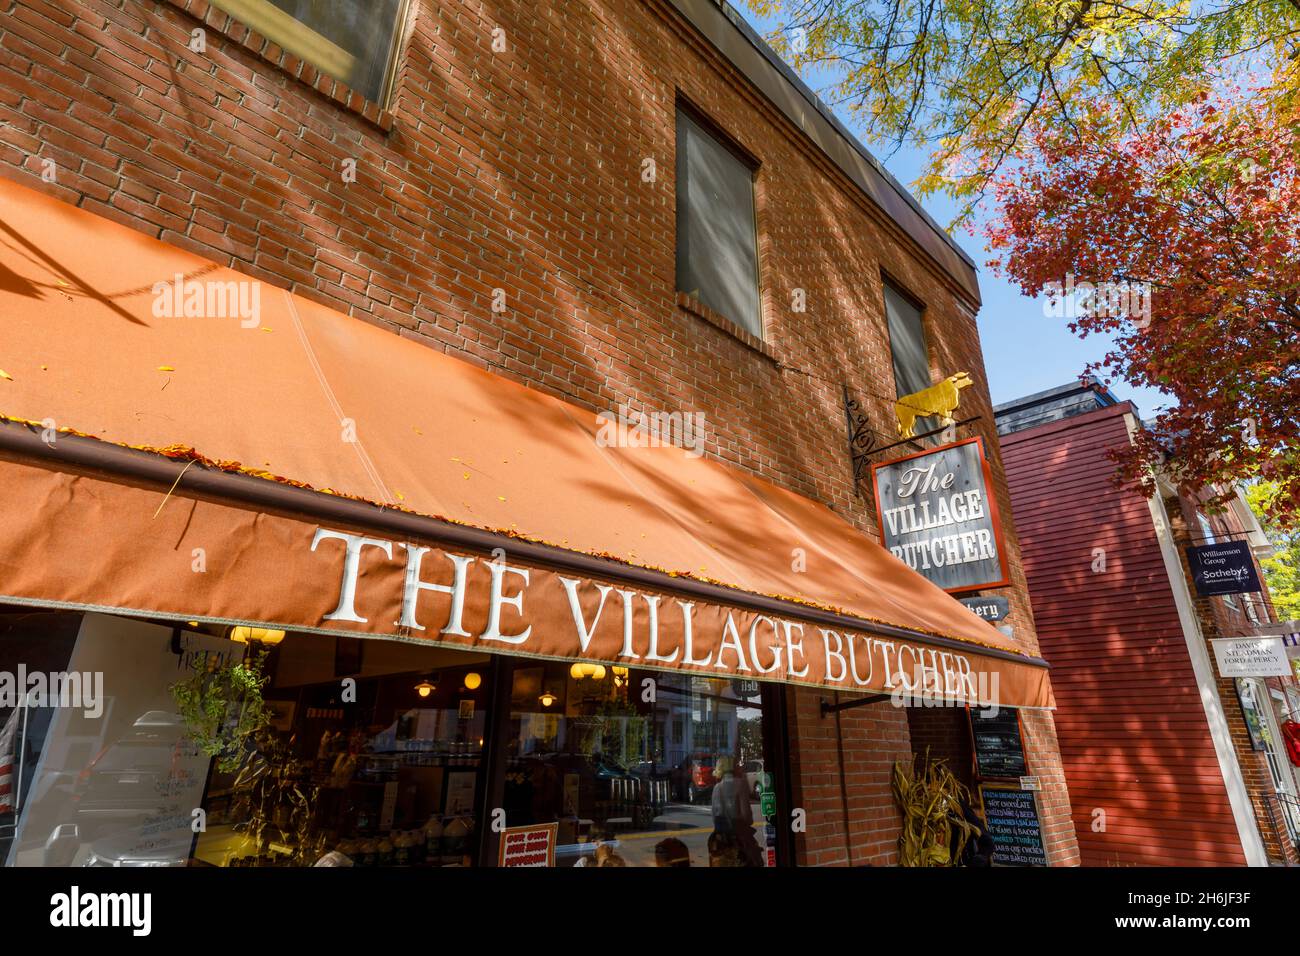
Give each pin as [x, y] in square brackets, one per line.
[939, 399]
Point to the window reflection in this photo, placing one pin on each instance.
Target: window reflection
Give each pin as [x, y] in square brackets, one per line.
[638, 768]
[349, 40]
[386, 778]
[372, 753]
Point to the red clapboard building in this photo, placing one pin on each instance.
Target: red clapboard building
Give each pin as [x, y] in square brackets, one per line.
[1159, 768]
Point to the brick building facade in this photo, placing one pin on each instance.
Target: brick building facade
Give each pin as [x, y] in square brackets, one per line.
[512, 205]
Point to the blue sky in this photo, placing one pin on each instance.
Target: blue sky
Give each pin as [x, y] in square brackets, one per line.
[1024, 351]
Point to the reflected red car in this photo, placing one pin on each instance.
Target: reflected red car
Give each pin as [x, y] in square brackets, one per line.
[693, 777]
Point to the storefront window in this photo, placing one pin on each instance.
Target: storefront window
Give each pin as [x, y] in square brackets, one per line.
[375, 753]
[102, 763]
[364, 753]
[639, 768]
[370, 750]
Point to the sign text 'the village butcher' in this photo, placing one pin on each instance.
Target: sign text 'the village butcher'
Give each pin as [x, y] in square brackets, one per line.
[494, 604]
[936, 515]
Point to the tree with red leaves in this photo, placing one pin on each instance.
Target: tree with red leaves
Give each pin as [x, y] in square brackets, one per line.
[1188, 231]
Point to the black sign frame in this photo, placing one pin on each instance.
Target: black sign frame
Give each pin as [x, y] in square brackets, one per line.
[983, 771]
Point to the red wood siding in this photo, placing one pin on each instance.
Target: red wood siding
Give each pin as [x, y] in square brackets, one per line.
[1133, 735]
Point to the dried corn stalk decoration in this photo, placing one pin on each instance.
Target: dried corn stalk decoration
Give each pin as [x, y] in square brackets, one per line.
[930, 799]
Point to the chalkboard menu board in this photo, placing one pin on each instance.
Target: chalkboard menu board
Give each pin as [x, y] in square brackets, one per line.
[1012, 818]
[999, 752]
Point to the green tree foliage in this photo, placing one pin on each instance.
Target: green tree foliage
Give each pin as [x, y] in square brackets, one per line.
[964, 78]
[1120, 142]
[1282, 571]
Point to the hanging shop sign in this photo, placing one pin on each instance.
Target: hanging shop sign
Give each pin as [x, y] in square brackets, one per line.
[999, 747]
[988, 608]
[936, 515]
[1251, 657]
[1014, 825]
[1225, 568]
[530, 846]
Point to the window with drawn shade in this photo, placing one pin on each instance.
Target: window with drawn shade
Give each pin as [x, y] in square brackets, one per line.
[353, 41]
[717, 244]
[908, 347]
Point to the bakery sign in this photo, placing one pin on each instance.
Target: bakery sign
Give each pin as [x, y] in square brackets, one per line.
[937, 516]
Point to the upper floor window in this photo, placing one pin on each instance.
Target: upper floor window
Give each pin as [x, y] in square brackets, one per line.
[1251, 612]
[1207, 529]
[908, 348]
[354, 41]
[717, 241]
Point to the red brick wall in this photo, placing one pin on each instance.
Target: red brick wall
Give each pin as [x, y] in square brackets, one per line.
[518, 170]
[945, 732]
[1042, 752]
[842, 768]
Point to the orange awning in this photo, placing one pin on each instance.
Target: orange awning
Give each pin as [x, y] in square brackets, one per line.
[308, 397]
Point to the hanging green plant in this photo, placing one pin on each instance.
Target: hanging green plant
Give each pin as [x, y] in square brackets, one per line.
[221, 704]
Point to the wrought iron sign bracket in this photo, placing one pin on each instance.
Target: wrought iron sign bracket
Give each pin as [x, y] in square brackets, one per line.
[934, 431]
[862, 438]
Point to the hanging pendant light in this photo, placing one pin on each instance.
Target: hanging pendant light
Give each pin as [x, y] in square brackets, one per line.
[256, 635]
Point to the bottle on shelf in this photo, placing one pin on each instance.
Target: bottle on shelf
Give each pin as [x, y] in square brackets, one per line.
[455, 841]
[433, 839]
